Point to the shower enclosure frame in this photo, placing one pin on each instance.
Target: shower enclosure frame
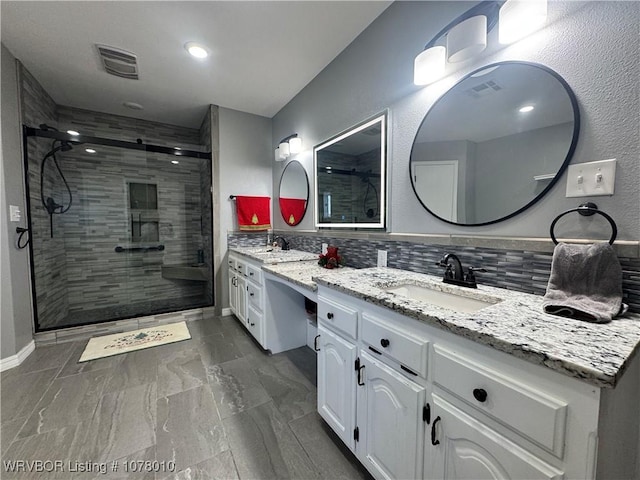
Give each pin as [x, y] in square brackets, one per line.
[28, 132]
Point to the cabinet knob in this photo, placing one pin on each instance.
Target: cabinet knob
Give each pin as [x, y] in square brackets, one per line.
[384, 342]
[329, 315]
[253, 324]
[480, 394]
[251, 294]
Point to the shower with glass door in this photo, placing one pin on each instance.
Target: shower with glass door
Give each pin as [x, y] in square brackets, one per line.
[118, 229]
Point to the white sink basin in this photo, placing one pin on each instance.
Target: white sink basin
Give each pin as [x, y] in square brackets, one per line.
[452, 301]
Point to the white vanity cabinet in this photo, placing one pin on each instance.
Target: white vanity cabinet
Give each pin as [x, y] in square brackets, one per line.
[246, 295]
[432, 404]
[363, 392]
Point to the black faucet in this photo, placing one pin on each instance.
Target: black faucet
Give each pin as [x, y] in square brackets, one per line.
[284, 244]
[456, 276]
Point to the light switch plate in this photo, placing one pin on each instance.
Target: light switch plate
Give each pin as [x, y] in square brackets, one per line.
[591, 179]
[382, 258]
[14, 213]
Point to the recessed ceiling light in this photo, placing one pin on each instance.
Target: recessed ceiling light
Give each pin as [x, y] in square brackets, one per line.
[175, 162]
[526, 108]
[89, 150]
[73, 132]
[197, 50]
[133, 105]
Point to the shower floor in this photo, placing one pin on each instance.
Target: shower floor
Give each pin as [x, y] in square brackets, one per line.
[132, 310]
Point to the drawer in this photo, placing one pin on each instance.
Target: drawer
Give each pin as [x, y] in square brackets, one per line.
[241, 266]
[254, 294]
[254, 273]
[523, 407]
[410, 349]
[340, 318]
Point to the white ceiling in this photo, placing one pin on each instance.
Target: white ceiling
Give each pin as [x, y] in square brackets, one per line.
[263, 53]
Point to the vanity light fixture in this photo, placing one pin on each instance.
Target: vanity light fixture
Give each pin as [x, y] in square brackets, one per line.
[89, 150]
[288, 146]
[73, 132]
[175, 162]
[466, 39]
[519, 18]
[466, 36]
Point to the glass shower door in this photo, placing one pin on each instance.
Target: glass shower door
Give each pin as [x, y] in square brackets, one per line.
[136, 240]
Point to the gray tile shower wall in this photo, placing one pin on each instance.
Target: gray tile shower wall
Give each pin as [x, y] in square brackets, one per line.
[101, 220]
[518, 270]
[50, 271]
[129, 129]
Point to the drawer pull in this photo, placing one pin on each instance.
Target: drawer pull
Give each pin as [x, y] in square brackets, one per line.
[408, 370]
[315, 343]
[384, 342]
[251, 274]
[480, 394]
[251, 294]
[252, 324]
[360, 380]
[375, 351]
[433, 431]
[329, 315]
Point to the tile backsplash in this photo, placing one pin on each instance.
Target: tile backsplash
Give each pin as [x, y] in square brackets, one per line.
[519, 270]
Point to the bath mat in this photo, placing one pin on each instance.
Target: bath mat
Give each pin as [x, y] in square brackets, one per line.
[108, 345]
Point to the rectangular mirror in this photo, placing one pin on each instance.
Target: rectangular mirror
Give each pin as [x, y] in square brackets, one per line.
[350, 179]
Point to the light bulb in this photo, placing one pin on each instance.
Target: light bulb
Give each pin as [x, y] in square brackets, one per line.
[429, 65]
[519, 18]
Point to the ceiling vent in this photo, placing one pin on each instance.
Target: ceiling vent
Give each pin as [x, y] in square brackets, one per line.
[118, 62]
[484, 89]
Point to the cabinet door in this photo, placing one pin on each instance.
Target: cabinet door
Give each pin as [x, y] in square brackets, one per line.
[389, 421]
[255, 323]
[241, 306]
[336, 384]
[233, 291]
[470, 450]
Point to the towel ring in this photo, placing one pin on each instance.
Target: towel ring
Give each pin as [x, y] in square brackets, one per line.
[586, 209]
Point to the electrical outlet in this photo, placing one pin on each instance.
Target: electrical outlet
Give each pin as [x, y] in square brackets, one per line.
[382, 258]
[591, 179]
[325, 246]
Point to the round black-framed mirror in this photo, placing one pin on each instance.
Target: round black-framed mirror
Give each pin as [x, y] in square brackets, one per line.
[495, 143]
[293, 193]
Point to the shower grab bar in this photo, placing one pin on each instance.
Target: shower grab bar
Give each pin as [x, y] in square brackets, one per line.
[120, 249]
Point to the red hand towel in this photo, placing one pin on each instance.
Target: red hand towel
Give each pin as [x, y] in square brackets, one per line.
[254, 213]
[293, 209]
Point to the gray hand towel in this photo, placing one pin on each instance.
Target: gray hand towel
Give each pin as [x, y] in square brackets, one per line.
[585, 283]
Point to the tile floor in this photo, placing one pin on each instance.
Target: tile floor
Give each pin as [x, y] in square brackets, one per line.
[217, 406]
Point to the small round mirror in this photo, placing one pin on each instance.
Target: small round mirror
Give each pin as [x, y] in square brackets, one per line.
[495, 143]
[294, 193]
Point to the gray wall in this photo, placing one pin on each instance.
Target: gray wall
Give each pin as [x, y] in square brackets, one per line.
[15, 311]
[246, 160]
[593, 45]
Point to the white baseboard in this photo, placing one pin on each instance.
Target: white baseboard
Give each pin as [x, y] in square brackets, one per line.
[226, 312]
[18, 358]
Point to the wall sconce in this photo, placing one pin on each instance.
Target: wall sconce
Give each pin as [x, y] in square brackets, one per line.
[288, 146]
[466, 36]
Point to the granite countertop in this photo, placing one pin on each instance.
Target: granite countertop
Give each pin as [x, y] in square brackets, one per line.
[271, 255]
[302, 273]
[595, 353]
